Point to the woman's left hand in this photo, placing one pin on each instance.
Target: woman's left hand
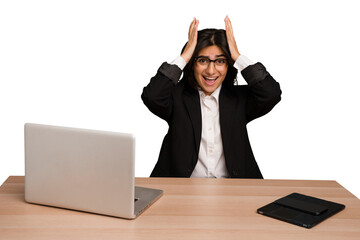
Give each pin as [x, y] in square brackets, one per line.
[231, 39]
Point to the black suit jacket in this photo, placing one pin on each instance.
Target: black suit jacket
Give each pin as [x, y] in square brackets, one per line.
[179, 105]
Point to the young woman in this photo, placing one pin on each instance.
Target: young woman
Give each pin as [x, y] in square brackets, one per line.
[206, 111]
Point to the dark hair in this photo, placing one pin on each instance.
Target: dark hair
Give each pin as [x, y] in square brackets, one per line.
[206, 38]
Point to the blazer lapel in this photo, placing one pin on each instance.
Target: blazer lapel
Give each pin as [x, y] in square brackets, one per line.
[192, 103]
[227, 109]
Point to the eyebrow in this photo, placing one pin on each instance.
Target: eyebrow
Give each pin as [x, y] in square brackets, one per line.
[221, 55]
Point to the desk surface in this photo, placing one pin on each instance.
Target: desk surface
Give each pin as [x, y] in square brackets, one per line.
[189, 209]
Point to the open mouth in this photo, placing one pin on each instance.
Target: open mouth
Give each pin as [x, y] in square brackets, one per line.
[210, 80]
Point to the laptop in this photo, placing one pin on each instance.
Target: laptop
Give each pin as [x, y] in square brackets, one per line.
[301, 210]
[85, 170]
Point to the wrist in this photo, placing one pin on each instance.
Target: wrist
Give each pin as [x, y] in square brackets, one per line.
[236, 56]
[186, 57]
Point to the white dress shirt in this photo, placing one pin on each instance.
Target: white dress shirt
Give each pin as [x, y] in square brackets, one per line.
[211, 160]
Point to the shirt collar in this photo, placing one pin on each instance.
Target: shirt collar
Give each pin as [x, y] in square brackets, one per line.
[215, 94]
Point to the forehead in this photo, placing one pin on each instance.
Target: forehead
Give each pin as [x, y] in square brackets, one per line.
[211, 51]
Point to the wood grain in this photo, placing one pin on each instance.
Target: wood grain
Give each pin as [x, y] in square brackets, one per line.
[189, 209]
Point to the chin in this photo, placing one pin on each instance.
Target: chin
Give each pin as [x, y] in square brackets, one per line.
[209, 90]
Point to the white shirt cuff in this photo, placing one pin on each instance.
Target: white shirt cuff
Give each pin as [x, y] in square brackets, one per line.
[242, 62]
[180, 62]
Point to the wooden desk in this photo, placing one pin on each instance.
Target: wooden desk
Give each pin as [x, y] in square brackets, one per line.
[189, 209]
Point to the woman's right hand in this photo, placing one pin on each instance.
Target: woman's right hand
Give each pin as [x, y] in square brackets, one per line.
[191, 44]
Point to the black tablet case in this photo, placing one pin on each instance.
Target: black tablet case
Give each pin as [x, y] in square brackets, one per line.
[301, 210]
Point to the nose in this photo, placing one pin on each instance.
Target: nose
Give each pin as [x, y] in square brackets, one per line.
[211, 68]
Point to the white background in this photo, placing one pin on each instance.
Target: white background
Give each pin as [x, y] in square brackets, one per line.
[84, 63]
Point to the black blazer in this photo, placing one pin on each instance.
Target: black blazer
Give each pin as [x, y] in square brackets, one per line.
[179, 105]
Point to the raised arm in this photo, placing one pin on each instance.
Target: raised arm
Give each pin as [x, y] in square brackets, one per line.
[263, 91]
[157, 95]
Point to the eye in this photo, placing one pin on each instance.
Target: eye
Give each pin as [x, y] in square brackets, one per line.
[203, 60]
[220, 61]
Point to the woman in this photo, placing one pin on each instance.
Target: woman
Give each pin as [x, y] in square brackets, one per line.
[206, 113]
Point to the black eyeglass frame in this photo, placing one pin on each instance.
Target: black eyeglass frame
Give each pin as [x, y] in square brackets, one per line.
[210, 61]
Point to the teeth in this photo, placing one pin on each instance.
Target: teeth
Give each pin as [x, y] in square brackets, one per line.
[210, 78]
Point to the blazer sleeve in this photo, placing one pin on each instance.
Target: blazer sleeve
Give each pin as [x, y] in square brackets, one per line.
[157, 95]
[264, 92]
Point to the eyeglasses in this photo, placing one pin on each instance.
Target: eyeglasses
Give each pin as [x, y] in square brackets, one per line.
[205, 61]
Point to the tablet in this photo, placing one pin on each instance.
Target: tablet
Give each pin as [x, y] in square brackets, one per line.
[301, 210]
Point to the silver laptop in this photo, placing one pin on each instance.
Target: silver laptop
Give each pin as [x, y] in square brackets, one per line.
[86, 170]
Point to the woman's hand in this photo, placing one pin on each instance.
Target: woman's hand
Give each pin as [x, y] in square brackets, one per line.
[231, 39]
[191, 44]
